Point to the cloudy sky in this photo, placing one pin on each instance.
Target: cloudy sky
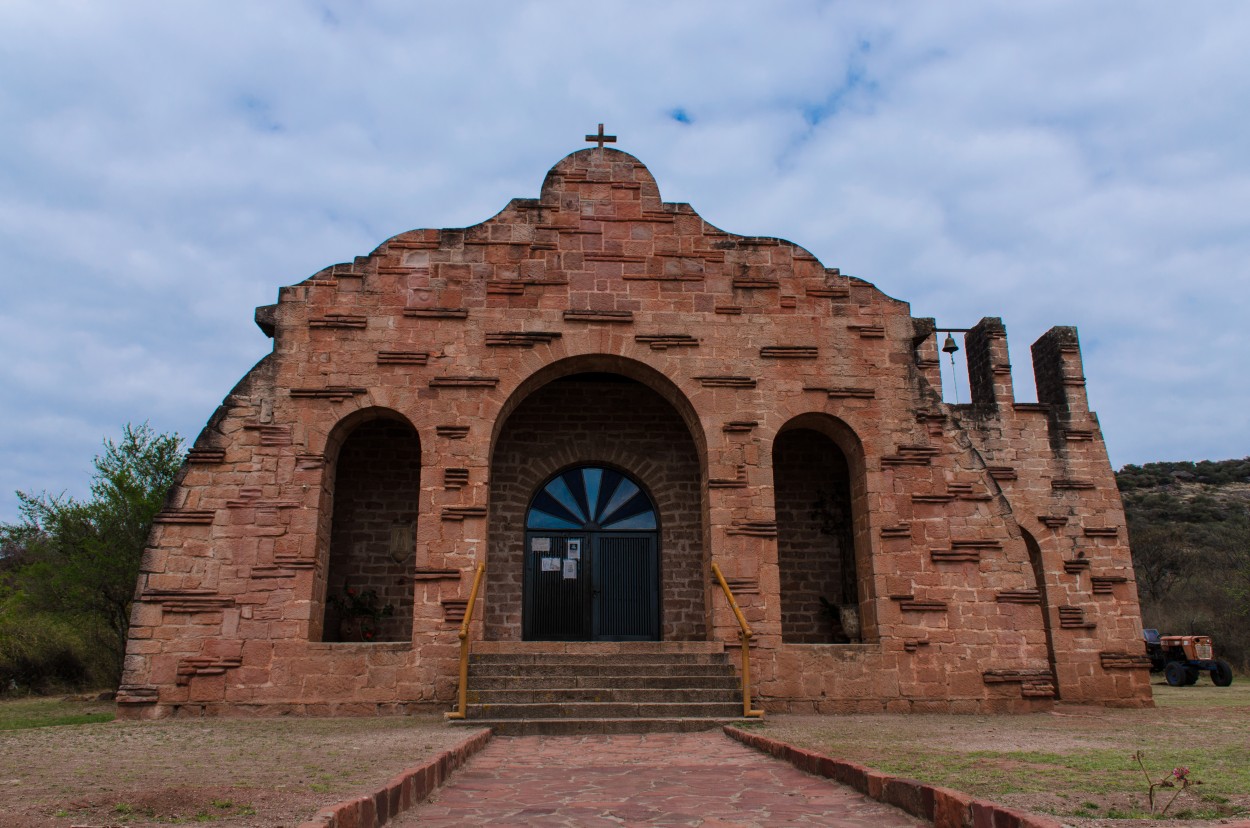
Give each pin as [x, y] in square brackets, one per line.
[165, 167]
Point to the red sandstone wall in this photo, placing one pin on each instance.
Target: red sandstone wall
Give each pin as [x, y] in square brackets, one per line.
[452, 331]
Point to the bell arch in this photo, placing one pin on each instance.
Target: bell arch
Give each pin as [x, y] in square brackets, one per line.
[368, 528]
[599, 411]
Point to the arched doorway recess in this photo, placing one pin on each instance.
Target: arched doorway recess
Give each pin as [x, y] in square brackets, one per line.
[815, 539]
[376, 489]
[592, 559]
[611, 422]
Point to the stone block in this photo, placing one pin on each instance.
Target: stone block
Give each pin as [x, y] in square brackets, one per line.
[911, 796]
[951, 809]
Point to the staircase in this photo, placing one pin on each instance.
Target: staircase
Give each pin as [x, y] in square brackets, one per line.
[524, 688]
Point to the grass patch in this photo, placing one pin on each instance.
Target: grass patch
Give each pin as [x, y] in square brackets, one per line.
[1203, 694]
[125, 811]
[21, 714]
[222, 809]
[1077, 761]
[998, 773]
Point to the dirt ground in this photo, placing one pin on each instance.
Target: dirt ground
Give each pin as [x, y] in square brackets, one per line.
[1074, 763]
[241, 773]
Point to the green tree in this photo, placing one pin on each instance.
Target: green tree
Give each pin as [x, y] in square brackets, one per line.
[1231, 544]
[79, 560]
[1163, 558]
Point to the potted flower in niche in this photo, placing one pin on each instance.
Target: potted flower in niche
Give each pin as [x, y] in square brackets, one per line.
[360, 614]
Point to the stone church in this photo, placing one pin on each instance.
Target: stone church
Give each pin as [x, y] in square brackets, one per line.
[598, 396]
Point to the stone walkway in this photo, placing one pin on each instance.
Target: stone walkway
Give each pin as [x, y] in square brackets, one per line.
[703, 779]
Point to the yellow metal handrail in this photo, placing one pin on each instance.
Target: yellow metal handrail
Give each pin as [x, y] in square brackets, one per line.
[747, 711]
[464, 646]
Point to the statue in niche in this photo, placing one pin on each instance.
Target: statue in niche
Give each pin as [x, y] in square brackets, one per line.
[403, 540]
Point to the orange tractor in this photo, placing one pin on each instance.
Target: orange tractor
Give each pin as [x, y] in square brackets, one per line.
[1182, 657]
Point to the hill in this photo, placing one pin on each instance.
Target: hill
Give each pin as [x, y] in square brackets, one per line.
[1189, 527]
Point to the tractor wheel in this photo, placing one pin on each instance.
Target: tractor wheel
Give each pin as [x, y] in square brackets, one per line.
[1191, 675]
[1222, 675]
[1175, 672]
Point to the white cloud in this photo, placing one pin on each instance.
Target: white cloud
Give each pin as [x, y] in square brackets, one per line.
[166, 167]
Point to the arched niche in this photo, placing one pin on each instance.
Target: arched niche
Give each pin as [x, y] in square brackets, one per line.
[373, 489]
[819, 495]
[1039, 576]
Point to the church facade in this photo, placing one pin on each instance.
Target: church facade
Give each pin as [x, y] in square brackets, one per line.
[598, 395]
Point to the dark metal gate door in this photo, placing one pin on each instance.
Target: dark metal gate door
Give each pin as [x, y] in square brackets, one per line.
[592, 566]
[557, 606]
[625, 574]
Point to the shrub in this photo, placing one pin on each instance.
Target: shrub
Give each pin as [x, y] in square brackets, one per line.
[42, 653]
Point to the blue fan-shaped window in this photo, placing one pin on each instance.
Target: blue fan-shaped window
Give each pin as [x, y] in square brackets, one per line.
[590, 498]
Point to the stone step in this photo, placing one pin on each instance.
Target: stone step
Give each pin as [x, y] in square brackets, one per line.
[639, 696]
[581, 727]
[591, 658]
[597, 669]
[597, 682]
[580, 687]
[606, 710]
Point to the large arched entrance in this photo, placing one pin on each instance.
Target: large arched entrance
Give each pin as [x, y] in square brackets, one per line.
[592, 560]
[606, 460]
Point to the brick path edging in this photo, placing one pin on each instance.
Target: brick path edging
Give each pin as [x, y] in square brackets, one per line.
[403, 791]
[944, 807]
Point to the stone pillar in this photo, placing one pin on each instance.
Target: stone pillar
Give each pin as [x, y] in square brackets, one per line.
[989, 368]
[925, 347]
[1059, 373]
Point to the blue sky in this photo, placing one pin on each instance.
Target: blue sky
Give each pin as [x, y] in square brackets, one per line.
[165, 167]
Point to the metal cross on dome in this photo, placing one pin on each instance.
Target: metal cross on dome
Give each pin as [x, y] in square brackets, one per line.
[601, 139]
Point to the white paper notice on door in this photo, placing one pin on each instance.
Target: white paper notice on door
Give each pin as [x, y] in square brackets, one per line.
[570, 569]
[574, 550]
[551, 564]
[540, 544]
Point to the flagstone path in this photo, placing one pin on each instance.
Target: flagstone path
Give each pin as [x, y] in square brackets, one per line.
[700, 779]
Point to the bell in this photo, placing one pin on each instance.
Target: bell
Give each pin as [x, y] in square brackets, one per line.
[949, 346]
